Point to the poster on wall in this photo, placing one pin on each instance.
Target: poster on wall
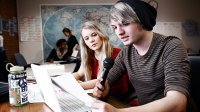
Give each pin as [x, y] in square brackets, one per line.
[56, 17]
[191, 28]
[30, 29]
[1, 41]
[5, 25]
[11, 28]
[15, 25]
[169, 28]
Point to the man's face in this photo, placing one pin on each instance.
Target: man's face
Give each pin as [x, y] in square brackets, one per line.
[128, 33]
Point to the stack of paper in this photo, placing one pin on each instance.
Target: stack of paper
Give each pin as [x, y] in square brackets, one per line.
[68, 83]
[55, 69]
[34, 94]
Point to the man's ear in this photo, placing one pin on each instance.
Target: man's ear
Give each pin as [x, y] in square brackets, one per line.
[140, 27]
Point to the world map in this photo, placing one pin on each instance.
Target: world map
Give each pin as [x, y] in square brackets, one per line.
[56, 17]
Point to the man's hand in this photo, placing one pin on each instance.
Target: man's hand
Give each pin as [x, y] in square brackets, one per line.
[104, 107]
[101, 91]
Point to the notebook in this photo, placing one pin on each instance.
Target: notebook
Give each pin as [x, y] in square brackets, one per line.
[57, 101]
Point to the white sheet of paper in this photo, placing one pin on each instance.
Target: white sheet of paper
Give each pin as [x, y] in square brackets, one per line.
[89, 91]
[55, 69]
[58, 62]
[75, 53]
[34, 94]
[69, 84]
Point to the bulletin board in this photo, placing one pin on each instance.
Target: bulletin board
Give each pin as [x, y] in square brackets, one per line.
[169, 28]
[30, 28]
[9, 26]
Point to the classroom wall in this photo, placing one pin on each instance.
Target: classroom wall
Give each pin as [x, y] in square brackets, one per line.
[168, 11]
[8, 10]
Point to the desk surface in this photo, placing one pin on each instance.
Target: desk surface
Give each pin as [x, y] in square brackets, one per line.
[42, 107]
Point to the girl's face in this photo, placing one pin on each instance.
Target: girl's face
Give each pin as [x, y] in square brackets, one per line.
[92, 39]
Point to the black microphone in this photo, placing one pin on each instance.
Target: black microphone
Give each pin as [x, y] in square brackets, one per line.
[107, 65]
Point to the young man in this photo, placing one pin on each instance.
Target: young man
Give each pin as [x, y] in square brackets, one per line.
[157, 65]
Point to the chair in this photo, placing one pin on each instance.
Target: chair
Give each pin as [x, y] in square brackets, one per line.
[195, 79]
[20, 60]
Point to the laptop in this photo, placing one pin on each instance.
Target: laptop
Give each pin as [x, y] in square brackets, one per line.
[58, 101]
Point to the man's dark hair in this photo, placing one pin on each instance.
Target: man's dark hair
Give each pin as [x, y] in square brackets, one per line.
[66, 30]
[59, 42]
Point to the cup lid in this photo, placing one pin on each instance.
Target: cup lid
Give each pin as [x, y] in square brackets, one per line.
[16, 68]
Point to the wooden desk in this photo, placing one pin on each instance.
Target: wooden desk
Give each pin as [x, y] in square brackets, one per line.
[36, 107]
[42, 107]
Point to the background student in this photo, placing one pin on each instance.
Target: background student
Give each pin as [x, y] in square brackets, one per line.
[71, 42]
[60, 53]
[157, 65]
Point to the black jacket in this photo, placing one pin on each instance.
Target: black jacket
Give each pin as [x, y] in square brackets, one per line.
[53, 56]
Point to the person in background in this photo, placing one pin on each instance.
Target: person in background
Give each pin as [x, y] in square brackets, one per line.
[95, 47]
[60, 53]
[71, 42]
[157, 65]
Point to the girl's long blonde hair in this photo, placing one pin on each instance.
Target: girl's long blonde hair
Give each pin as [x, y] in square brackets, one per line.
[87, 55]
